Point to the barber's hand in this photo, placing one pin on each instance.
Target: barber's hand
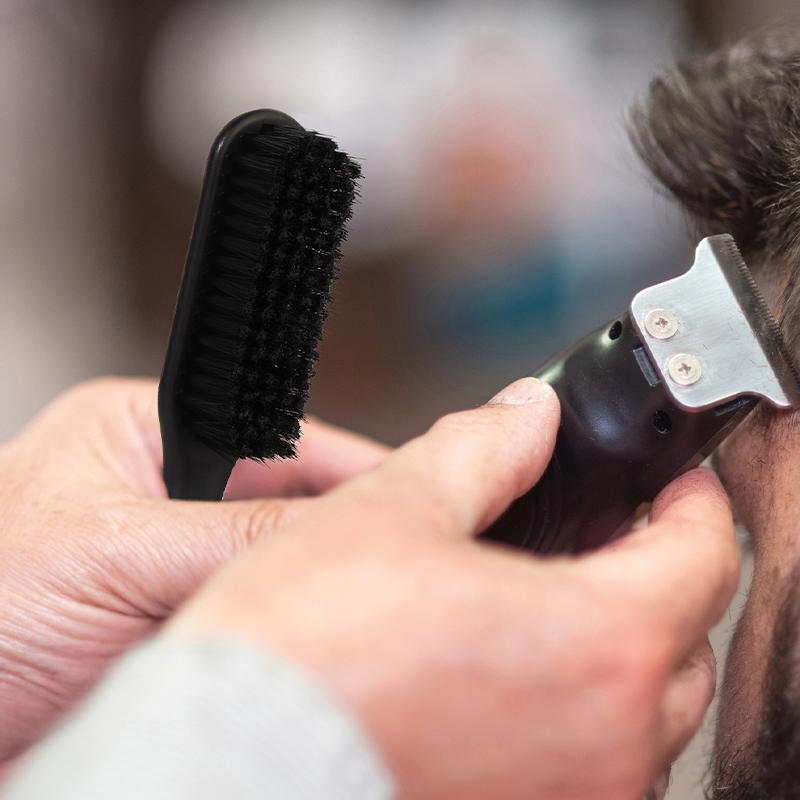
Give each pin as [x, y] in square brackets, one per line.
[481, 672]
[93, 556]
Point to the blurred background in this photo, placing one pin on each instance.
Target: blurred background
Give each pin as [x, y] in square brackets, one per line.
[502, 215]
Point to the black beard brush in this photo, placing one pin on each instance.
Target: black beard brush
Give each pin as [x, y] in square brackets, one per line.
[270, 223]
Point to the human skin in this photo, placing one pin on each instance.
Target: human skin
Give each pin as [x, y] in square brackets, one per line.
[760, 466]
[93, 556]
[477, 671]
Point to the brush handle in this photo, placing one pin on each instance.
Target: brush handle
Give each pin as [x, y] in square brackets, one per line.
[621, 441]
[193, 471]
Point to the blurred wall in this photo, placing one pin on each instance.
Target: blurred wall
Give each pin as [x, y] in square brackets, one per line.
[70, 152]
[501, 214]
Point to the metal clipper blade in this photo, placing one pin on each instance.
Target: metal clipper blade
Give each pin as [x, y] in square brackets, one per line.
[711, 336]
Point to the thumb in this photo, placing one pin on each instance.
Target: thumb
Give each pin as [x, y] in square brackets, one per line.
[177, 545]
[460, 475]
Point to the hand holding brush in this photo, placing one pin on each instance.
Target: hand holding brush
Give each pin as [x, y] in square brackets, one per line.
[94, 557]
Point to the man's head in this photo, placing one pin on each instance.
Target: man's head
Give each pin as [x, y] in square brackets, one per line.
[722, 134]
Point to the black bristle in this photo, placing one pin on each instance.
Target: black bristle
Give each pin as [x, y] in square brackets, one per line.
[277, 227]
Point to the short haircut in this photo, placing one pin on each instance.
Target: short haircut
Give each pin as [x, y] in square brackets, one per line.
[721, 133]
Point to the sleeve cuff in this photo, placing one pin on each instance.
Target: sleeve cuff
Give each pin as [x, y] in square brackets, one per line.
[201, 719]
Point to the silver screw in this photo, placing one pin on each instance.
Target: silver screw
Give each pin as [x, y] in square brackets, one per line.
[661, 323]
[684, 369]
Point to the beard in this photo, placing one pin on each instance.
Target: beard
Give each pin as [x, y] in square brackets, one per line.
[770, 768]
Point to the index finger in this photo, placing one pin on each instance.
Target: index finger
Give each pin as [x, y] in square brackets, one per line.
[326, 456]
[682, 570]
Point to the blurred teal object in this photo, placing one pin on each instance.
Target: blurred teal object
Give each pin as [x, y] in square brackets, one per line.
[500, 308]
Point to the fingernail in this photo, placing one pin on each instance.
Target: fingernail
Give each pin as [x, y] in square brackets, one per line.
[522, 392]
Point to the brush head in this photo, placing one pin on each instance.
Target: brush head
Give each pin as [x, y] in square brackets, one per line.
[257, 283]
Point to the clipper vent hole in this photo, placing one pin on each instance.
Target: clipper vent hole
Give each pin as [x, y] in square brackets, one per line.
[662, 422]
[615, 331]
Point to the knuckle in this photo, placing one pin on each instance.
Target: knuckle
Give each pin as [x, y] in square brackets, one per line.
[478, 442]
[253, 521]
[104, 385]
[498, 435]
[714, 551]
[89, 539]
[731, 574]
[107, 524]
[101, 390]
[457, 422]
[412, 499]
[480, 421]
[629, 660]
[704, 663]
[631, 687]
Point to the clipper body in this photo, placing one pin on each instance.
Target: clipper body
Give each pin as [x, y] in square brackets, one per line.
[648, 397]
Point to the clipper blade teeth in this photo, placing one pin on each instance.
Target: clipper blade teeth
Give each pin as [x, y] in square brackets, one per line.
[761, 306]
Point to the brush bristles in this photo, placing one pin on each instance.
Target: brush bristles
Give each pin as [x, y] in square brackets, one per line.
[278, 225]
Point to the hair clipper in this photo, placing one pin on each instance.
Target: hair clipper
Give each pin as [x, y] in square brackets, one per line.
[648, 397]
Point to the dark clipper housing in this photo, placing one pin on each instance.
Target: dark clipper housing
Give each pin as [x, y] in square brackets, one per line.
[648, 397]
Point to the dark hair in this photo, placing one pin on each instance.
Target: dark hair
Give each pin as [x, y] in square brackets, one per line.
[721, 133]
